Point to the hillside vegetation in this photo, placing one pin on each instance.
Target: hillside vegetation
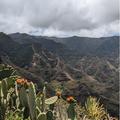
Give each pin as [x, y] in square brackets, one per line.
[21, 100]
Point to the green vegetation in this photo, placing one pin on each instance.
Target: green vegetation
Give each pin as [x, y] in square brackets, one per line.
[19, 100]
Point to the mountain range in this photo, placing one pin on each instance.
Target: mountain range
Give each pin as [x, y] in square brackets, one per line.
[81, 66]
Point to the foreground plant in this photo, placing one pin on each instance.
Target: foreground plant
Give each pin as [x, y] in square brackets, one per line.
[94, 110]
[20, 101]
[71, 108]
[21, 95]
[7, 96]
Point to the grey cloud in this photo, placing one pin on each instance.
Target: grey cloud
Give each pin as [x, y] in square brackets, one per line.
[11, 8]
[72, 14]
[60, 17]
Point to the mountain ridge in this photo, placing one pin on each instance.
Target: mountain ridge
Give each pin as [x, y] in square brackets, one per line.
[76, 45]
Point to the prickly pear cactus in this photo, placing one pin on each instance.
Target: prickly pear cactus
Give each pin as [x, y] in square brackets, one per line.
[43, 107]
[4, 88]
[31, 96]
[23, 97]
[42, 116]
[71, 111]
[38, 103]
[50, 115]
[11, 81]
[51, 100]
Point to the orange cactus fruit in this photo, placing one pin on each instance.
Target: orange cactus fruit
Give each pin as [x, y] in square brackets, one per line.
[58, 93]
[23, 82]
[70, 99]
[19, 81]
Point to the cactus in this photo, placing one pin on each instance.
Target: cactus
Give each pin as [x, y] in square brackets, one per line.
[38, 103]
[31, 96]
[42, 116]
[3, 108]
[11, 81]
[17, 96]
[51, 106]
[23, 97]
[50, 115]
[71, 111]
[2, 111]
[4, 88]
[43, 100]
[51, 100]
[4, 98]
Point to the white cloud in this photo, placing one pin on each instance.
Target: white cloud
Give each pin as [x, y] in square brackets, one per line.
[60, 18]
[109, 29]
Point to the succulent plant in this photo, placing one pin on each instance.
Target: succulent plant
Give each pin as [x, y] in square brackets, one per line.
[4, 88]
[50, 115]
[42, 116]
[43, 97]
[23, 97]
[31, 96]
[51, 100]
[71, 111]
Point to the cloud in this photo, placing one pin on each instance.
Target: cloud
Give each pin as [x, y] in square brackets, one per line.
[105, 30]
[60, 18]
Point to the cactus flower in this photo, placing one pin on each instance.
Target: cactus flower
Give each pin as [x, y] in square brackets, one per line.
[70, 99]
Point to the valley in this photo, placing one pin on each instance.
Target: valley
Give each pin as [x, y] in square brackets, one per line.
[80, 66]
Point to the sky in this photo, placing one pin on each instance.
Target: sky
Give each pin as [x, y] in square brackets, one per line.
[60, 18]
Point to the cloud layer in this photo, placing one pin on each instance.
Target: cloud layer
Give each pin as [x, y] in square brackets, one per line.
[92, 18]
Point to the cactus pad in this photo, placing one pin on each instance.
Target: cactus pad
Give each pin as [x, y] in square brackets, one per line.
[51, 100]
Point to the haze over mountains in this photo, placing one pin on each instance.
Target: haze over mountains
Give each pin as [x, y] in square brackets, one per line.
[84, 66]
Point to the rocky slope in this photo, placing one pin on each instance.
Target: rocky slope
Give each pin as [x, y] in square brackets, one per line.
[81, 75]
[57, 48]
[105, 46]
